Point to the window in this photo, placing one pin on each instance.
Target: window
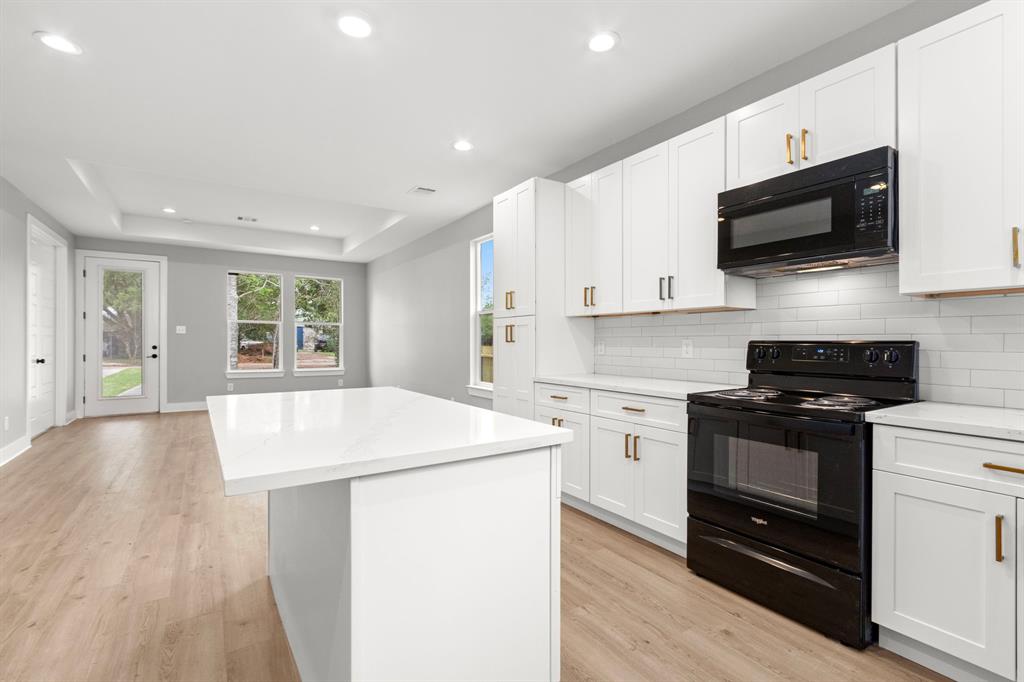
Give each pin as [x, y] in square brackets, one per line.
[254, 322]
[482, 267]
[318, 324]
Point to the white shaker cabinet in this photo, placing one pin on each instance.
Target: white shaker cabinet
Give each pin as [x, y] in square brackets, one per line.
[575, 454]
[850, 109]
[696, 173]
[611, 466]
[944, 568]
[593, 243]
[514, 361]
[761, 138]
[515, 221]
[961, 123]
[660, 480]
[1020, 590]
[645, 230]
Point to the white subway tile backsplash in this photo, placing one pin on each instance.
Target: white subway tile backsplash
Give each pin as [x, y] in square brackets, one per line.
[972, 349]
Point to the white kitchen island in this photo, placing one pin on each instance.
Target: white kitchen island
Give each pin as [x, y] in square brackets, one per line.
[410, 538]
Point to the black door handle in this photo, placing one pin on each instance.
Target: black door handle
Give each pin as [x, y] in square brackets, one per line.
[40, 361]
[153, 355]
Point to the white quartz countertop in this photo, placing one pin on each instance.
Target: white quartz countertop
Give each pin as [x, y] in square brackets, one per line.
[279, 440]
[971, 420]
[662, 388]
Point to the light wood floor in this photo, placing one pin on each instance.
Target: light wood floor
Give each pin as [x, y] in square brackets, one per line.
[121, 559]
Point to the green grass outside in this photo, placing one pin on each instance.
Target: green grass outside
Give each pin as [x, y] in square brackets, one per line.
[118, 383]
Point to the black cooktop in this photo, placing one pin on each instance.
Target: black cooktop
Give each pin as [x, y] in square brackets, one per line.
[847, 408]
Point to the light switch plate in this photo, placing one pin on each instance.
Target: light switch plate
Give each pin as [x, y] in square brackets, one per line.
[341, 382]
[686, 348]
[231, 387]
[600, 348]
[180, 329]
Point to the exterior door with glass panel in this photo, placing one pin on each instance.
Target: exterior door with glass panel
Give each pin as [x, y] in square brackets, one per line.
[122, 330]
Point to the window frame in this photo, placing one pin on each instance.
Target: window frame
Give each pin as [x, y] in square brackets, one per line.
[476, 386]
[254, 373]
[320, 371]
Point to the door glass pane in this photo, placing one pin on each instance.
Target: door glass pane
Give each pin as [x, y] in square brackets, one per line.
[487, 348]
[122, 342]
[317, 346]
[800, 220]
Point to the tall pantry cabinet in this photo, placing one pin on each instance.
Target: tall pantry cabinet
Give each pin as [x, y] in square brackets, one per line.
[532, 335]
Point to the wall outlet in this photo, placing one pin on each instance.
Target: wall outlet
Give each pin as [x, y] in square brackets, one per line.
[341, 382]
[686, 348]
[231, 387]
[7, 423]
[180, 329]
[600, 348]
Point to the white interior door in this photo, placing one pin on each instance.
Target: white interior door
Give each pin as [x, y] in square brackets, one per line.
[122, 332]
[42, 336]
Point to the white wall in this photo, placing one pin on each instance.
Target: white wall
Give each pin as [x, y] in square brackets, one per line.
[15, 208]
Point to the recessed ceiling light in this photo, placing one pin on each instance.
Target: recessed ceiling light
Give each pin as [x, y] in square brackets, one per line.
[57, 42]
[462, 145]
[603, 41]
[168, 209]
[315, 228]
[354, 27]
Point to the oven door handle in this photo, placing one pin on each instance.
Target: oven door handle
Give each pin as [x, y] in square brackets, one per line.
[770, 560]
[804, 424]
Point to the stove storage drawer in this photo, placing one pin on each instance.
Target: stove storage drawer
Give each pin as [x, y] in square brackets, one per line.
[663, 413]
[562, 397]
[987, 464]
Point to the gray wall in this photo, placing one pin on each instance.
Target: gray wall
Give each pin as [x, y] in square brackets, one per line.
[427, 281]
[14, 210]
[197, 298]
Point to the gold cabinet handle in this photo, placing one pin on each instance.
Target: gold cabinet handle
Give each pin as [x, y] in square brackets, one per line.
[554, 421]
[506, 300]
[789, 148]
[999, 538]
[627, 445]
[592, 290]
[560, 421]
[803, 144]
[559, 397]
[1015, 232]
[633, 409]
[1002, 467]
[506, 333]
[512, 299]
[585, 304]
[512, 333]
[636, 448]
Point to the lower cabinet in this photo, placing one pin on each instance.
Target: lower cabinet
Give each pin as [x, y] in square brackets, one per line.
[514, 366]
[575, 454]
[1020, 590]
[945, 568]
[639, 472]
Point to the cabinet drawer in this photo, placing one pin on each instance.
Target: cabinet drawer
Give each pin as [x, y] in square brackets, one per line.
[664, 413]
[951, 458]
[562, 397]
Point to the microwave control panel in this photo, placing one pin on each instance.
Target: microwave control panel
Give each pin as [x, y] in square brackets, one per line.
[872, 209]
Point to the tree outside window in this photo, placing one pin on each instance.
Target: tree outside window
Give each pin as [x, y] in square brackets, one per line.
[318, 324]
[483, 308]
[254, 321]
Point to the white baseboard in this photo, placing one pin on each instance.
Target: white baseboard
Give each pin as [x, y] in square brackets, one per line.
[654, 537]
[934, 659]
[15, 448]
[197, 406]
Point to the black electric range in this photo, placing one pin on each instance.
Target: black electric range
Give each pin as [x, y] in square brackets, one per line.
[779, 486]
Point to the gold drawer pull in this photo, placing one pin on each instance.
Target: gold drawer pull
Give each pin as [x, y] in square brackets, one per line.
[1002, 467]
[803, 144]
[560, 421]
[1015, 233]
[789, 148]
[586, 290]
[636, 448]
[627, 444]
[554, 421]
[633, 409]
[559, 397]
[999, 537]
[592, 290]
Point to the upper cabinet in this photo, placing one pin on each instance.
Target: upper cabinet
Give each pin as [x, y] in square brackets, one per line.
[961, 123]
[645, 240]
[515, 221]
[696, 174]
[849, 109]
[593, 243]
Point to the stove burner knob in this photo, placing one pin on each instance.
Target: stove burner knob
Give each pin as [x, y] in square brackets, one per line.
[759, 352]
[891, 356]
[871, 355]
[776, 353]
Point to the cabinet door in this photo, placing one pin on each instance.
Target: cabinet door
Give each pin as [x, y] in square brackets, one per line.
[525, 266]
[960, 126]
[611, 466]
[696, 171]
[936, 578]
[514, 358]
[660, 480]
[575, 454]
[579, 221]
[756, 143]
[606, 241]
[645, 230]
[849, 109]
[504, 252]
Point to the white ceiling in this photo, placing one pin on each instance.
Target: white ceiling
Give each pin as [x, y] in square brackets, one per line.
[265, 109]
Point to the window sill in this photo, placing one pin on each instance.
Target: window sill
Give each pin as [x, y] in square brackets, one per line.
[327, 372]
[484, 392]
[254, 373]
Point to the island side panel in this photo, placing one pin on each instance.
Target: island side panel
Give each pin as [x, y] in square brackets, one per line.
[452, 571]
[309, 563]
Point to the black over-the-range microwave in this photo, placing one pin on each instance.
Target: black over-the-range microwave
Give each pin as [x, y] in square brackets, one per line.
[838, 214]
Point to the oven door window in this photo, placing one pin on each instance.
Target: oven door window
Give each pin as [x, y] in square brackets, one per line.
[796, 225]
[773, 473]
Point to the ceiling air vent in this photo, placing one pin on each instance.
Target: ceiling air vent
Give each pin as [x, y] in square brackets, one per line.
[247, 219]
[425, 191]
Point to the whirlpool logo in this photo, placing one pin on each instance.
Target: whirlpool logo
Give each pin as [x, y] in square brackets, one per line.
[760, 522]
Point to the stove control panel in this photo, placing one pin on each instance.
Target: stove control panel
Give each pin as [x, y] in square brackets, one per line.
[890, 359]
